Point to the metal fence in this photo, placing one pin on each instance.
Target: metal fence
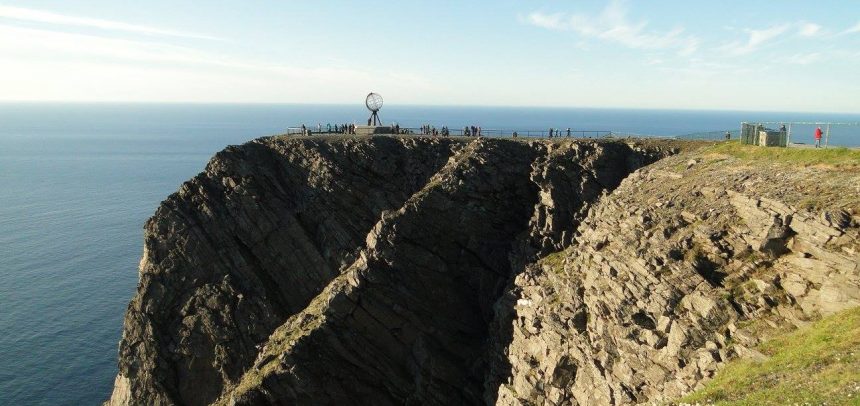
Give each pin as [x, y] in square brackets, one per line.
[800, 133]
[560, 133]
[500, 132]
[846, 134]
[712, 135]
[485, 132]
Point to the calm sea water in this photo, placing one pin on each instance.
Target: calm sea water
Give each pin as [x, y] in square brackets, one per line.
[77, 182]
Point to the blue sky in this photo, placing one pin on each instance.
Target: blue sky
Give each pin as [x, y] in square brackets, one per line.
[789, 55]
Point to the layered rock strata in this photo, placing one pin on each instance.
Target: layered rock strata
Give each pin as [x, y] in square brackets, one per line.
[689, 263]
[350, 270]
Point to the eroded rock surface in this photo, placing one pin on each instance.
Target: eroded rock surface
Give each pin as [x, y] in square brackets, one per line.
[350, 270]
[247, 244]
[688, 263]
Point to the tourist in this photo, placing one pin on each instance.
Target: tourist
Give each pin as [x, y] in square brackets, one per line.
[319, 127]
[397, 128]
[466, 132]
[328, 127]
[818, 137]
[304, 130]
[568, 132]
[550, 132]
[728, 135]
[479, 131]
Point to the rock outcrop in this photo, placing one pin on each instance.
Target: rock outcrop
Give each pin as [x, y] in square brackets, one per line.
[352, 270]
[688, 263]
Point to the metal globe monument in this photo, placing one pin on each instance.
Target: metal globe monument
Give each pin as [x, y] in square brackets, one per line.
[373, 101]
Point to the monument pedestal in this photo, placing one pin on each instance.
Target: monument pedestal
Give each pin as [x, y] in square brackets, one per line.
[373, 130]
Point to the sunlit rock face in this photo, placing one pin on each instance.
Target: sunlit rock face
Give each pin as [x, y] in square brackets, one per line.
[404, 270]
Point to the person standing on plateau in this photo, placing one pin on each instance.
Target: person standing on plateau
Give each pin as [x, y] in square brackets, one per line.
[818, 137]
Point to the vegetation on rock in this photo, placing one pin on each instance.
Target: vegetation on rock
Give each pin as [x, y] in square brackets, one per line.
[818, 365]
[837, 157]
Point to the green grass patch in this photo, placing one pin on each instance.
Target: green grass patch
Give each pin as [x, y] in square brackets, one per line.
[836, 157]
[815, 365]
[555, 261]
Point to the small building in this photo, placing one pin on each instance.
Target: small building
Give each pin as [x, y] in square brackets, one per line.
[757, 134]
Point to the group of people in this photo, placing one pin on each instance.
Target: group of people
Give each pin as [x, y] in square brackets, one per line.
[472, 131]
[557, 132]
[336, 129]
[428, 129]
[475, 131]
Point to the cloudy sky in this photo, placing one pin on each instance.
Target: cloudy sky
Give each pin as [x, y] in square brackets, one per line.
[790, 55]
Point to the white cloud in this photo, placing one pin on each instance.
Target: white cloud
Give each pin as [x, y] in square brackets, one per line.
[548, 21]
[39, 16]
[756, 39]
[803, 58]
[854, 29]
[809, 29]
[35, 43]
[612, 24]
[40, 64]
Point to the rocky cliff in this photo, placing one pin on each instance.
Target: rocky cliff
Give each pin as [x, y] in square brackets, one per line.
[689, 263]
[452, 271]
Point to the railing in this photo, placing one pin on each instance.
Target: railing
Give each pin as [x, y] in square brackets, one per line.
[498, 132]
[842, 138]
[712, 135]
[798, 133]
[485, 132]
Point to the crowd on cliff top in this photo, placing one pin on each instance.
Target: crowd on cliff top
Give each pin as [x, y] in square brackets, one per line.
[336, 129]
[425, 129]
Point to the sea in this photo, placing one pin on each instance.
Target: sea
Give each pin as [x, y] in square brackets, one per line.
[77, 182]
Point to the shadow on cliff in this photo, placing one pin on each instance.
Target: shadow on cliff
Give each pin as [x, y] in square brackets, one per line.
[337, 270]
[570, 180]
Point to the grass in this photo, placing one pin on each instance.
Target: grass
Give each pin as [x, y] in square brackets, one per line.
[555, 261]
[815, 365]
[833, 157]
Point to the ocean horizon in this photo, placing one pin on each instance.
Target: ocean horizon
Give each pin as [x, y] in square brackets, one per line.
[80, 179]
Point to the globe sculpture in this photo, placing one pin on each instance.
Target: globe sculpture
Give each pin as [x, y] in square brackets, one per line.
[374, 104]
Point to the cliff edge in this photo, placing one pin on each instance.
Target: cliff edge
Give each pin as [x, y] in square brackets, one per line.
[401, 270]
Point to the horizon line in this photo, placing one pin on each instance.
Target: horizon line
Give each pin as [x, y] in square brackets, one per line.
[505, 106]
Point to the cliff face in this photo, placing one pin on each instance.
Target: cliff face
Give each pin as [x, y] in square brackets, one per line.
[452, 271]
[689, 263]
[346, 270]
[249, 243]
